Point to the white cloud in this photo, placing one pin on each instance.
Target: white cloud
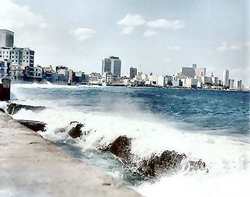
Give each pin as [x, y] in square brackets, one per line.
[166, 24]
[150, 33]
[130, 22]
[174, 48]
[225, 46]
[83, 33]
[16, 17]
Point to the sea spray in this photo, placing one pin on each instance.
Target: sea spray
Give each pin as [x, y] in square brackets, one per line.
[227, 156]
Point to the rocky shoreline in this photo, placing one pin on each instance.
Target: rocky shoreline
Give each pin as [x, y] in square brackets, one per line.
[33, 166]
[168, 161]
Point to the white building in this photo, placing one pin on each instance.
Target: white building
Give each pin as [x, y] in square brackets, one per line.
[18, 56]
[225, 78]
[190, 83]
[200, 72]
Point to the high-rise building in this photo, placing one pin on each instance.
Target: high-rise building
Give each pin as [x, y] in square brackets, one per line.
[132, 72]
[115, 66]
[239, 84]
[6, 38]
[106, 65]
[188, 72]
[231, 83]
[112, 65]
[225, 78]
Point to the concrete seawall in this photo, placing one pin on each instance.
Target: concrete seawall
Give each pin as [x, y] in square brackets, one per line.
[32, 166]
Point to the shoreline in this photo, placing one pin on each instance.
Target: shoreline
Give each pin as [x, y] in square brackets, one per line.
[33, 166]
[127, 86]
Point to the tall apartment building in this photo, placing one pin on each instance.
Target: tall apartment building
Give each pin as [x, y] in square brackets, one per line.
[106, 65]
[6, 38]
[225, 78]
[112, 65]
[188, 72]
[18, 56]
[239, 85]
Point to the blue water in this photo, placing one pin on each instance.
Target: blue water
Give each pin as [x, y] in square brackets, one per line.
[210, 125]
[217, 112]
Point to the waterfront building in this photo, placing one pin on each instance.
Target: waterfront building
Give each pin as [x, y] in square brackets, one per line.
[106, 65]
[215, 80]
[231, 84]
[200, 72]
[206, 80]
[20, 56]
[239, 85]
[33, 73]
[161, 81]
[112, 65]
[132, 72]
[225, 78]
[107, 78]
[188, 72]
[168, 80]
[4, 68]
[95, 79]
[115, 66]
[49, 74]
[62, 74]
[189, 83]
[6, 38]
[16, 72]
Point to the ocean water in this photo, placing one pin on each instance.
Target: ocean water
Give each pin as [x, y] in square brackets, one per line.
[211, 125]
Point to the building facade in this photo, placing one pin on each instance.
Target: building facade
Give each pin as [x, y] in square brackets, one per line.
[225, 78]
[115, 66]
[132, 72]
[18, 56]
[106, 65]
[188, 72]
[6, 38]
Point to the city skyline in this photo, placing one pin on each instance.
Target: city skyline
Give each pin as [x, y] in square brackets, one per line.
[161, 42]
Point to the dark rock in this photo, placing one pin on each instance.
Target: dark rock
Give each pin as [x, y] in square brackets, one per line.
[121, 147]
[2, 110]
[74, 129]
[33, 125]
[168, 161]
[13, 108]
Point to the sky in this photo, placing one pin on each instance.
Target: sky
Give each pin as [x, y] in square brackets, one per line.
[158, 36]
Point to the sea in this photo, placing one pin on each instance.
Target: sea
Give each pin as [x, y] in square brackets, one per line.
[204, 124]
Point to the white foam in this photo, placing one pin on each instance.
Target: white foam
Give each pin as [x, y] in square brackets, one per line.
[228, 159]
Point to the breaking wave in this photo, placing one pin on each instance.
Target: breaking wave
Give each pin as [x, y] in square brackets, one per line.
[227, 157]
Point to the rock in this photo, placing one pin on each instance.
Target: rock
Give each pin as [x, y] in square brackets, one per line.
[33, 125]
[2, 110]
[74, 129]
[121, 147]
[168, 161]
[13, 108]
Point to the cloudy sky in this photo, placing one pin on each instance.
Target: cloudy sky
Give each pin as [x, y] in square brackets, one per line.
[157, 36]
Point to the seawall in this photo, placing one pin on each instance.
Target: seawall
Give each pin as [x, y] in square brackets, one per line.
[33, 166]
